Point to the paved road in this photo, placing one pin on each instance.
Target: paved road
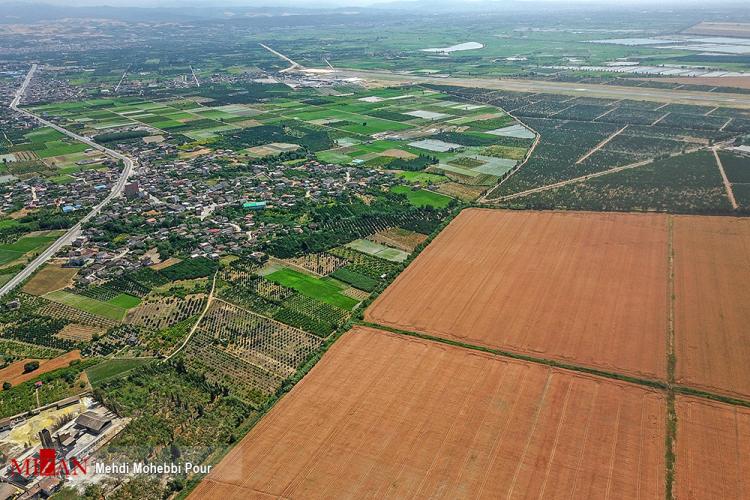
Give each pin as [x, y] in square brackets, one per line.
[74, 231]
[580, 89]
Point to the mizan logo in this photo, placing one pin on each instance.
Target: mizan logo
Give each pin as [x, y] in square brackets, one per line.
[48, 464]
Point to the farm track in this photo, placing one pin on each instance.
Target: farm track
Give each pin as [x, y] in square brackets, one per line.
[209, 300]
[587, 177]
[725, 180]
[601, 145]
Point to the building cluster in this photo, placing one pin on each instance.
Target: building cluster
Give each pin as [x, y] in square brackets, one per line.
[188, 203]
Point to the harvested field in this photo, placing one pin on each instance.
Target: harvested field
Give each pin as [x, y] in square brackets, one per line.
[583, 288]
[712, 272]
[384, 415]
[713, 450]
[15, 375]
[49, 279]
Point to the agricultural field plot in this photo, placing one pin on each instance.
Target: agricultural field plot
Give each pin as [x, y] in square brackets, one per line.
[400, 132]
[25, 246]
[396, 237]
[586, 289]
[737, 169]
[243, 287]
[247, 352]
[15, 373]
[712, 449]
[378, 250]
[99, 117]
[363, 423]
[423, 197]
[111, 309]
[49, 279]
[579, 138]
[111, 368]
[41, 143]
[163, 312]
[320, 263]
[325, 290]
[683, 184]
[712, 269]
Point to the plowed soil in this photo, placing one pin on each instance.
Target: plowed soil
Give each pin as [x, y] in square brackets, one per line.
[584, 288]
[14, 373]
[713, 450]
[712, 303]
[383, 415]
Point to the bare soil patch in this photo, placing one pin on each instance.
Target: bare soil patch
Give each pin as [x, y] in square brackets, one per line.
[15, 375]
[389, 416]
[584, 288]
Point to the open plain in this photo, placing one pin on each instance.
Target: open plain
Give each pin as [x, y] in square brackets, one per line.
[384, 415]
[585, 288]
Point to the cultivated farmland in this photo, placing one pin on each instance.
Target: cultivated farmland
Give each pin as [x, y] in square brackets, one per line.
[586, 289]
[713, 450]
[384, 415]
[712, 272]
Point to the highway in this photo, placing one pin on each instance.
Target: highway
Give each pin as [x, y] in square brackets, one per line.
[74, 231]
[578, 89]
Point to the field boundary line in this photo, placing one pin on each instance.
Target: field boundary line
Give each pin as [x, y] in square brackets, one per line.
[645, 382]
[600, 145]
[725, 179]
[209, 301]
[660, 118]
[670, 436]
[653, 383]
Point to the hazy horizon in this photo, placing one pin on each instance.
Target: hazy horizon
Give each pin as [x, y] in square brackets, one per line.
[312, 4]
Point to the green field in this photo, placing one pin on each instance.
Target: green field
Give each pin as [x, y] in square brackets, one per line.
[12, 251]
[124, 300]
[422, 177]
[112, 368]
[325, 290]
[87, 304]
[422, 197]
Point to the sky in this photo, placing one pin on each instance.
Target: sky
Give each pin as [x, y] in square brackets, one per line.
[344, 3]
